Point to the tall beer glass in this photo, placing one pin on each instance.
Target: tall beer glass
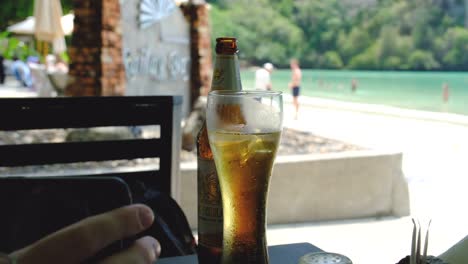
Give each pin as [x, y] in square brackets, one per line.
[244, 129]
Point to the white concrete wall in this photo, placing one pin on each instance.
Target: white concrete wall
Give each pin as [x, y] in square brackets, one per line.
[307, 188]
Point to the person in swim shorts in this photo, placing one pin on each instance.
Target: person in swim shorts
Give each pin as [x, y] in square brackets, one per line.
[295, 84]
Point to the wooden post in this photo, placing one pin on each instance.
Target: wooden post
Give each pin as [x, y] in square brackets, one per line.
[200, 48]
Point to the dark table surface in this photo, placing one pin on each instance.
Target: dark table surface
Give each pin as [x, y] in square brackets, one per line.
[280, 254]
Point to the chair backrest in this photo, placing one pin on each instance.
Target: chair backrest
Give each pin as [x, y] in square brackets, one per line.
[89, 112]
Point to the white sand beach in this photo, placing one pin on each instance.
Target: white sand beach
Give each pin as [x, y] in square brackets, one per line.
[434, 146]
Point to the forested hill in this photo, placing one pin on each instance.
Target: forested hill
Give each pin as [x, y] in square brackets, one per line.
[353, 34]
[332, 34]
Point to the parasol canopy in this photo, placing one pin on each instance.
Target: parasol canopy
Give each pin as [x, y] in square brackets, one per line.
[48, 14]
[26, 27]
[48, 26]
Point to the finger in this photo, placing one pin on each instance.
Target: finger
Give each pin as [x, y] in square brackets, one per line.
[144, 250]
[81, 240]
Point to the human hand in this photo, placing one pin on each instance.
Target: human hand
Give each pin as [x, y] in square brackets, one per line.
[82, 240]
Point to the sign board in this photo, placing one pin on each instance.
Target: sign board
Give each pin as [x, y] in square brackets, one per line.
[156, 49]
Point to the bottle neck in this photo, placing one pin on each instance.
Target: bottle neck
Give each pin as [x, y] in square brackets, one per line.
[226, 74]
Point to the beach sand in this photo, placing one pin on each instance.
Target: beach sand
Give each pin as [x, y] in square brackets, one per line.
[434, 146]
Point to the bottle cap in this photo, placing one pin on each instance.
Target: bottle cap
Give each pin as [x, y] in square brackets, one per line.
[324, 258]
[226, 45]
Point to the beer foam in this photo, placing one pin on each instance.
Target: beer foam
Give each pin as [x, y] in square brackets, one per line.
[245, 115]
[262, 115]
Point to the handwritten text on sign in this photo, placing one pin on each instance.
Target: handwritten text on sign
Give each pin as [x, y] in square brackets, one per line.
[161, 67]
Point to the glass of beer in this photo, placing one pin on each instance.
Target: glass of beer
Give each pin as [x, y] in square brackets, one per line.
[244, 129]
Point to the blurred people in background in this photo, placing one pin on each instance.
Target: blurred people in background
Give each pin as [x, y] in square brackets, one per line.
[55, 63]
[354, 85]
[263, 77]
[60, 65]
[445, 92]
[295, 84]
[22, 72]
[50, 63]
[2, 70]
[33, 60]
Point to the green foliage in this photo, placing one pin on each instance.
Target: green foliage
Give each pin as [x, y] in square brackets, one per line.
[354, 43]
[390, 35]
[387, 42]
[67, 6]
[392, 63]
[454, 48]
[284, 7]
[321, 22]
[366, 60]
[13, 11]
[255, 34]
[10, 46]
[332, 60]
[422, 60]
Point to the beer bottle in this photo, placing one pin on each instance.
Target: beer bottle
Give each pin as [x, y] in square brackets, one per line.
[226, 76]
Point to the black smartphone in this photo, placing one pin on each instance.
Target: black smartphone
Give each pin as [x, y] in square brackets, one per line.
[31, 208]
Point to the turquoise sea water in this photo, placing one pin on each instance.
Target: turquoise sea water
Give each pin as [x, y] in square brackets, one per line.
[412, 90]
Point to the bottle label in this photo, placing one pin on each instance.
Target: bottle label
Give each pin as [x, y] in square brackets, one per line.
[210, 210]
[226, 74]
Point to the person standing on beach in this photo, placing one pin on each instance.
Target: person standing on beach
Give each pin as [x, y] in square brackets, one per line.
[295, 84]
[263, 77]
[354, 85]
[445, 92]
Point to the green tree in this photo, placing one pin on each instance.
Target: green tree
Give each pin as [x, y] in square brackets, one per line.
[366, 60]
[422, 60]
[452, 48]
[13, 11]
[386, 35]
[392, 63]
[354, 43]
[332, 60]
[321, 22]
[284, 7]
[273, 37]
[387, 42]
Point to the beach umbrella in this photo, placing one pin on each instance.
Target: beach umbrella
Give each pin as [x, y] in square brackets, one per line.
[48, 24]
[26, 27]
[48, 14]
[67, 23]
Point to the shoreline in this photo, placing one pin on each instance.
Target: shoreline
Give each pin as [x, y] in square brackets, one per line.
[422, 91]
[255, 67]
[452, 118]
[12, 89]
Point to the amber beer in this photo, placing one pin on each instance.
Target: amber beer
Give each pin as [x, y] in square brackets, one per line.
[226, 76]
[244, 163]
